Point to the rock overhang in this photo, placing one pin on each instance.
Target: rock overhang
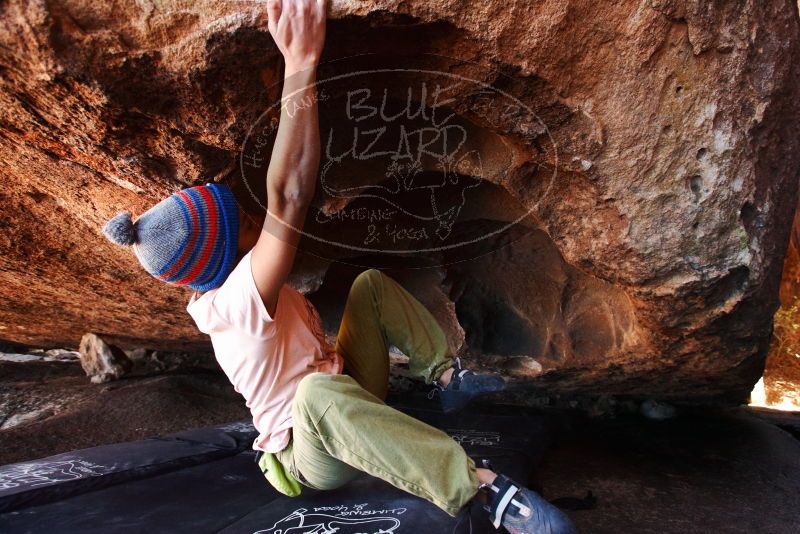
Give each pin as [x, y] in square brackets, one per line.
[650, 267]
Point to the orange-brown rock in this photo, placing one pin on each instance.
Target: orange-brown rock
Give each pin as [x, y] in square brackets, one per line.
[649, 265]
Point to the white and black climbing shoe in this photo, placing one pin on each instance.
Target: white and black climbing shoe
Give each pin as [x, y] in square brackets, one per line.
[523, 511]
[464, 386]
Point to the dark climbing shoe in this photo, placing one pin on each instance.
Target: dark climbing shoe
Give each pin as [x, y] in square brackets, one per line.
[466, 385]
[523, 511]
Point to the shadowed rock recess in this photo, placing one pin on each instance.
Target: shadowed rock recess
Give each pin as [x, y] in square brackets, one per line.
[651, 215]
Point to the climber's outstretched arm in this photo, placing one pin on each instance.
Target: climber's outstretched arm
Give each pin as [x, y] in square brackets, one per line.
[298, 27]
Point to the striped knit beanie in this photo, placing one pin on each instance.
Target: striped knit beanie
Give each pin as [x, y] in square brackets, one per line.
[189, 238]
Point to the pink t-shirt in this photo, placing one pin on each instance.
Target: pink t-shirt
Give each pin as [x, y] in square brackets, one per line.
[264, 357]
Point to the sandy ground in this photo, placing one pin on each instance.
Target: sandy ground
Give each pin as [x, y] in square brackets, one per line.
[51, 407]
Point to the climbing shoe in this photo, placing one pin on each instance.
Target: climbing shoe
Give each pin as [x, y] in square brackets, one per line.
[464, 386]
[523, 511]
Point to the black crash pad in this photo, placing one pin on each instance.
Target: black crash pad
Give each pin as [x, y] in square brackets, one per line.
[206, 481]
[76, 472]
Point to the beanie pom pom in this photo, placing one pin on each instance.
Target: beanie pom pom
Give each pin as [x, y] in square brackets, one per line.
[120, 229]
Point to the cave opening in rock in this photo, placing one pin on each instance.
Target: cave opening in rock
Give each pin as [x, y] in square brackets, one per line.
[492, 326]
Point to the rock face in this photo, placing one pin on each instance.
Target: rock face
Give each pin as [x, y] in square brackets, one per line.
[655, 191]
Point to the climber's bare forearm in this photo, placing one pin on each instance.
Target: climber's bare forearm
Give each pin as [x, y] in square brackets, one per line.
[298, 28]
[292, 174]
[291, 179]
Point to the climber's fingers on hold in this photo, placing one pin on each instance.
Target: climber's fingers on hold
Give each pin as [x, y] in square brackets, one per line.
[321, 5]
[274, 8]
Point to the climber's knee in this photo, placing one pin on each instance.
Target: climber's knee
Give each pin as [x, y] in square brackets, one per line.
[366, 288]
[367, 278]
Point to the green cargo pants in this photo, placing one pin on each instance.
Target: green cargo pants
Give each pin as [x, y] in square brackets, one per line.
[341, 424]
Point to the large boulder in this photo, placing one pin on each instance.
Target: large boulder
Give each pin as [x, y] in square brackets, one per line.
[656, 190]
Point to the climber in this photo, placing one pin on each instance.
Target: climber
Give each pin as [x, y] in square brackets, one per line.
[319, 410]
